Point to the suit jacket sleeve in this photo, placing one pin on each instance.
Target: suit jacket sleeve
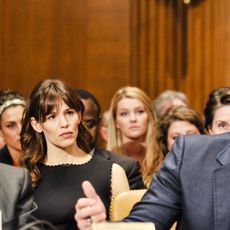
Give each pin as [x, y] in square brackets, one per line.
[25, 205]
[161, 204]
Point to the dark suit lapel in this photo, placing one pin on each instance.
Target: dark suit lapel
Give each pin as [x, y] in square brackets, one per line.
[224, 156]
[221, 190]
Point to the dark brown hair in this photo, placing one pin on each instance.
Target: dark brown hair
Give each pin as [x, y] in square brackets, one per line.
[177, 113]
[217, 98]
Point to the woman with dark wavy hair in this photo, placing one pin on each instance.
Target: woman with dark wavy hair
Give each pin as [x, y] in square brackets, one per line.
[217, 111]
[57, 149]
[178, 120]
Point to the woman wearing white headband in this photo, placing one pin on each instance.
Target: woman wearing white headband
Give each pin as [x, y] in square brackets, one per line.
[12, 106]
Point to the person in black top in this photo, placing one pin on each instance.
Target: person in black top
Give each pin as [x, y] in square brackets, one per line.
[56, 148]
[12, 106]
[91, 117]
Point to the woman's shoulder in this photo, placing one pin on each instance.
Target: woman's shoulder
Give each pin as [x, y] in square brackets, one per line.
[101, 160]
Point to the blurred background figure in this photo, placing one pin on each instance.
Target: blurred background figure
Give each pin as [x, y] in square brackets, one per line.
[92, 112]
[217, 111]
[103, 129]
[177, 121]
[168, 99]
[12, 105]
[132, 129]
[91, 118]
[2, 142]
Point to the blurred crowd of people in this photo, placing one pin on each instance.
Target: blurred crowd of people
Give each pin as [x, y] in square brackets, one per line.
[58, 138]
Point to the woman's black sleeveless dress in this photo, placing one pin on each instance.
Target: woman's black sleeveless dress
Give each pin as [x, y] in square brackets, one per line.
[60, 188]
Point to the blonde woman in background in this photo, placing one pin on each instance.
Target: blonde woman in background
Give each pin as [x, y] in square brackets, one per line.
[131, 129]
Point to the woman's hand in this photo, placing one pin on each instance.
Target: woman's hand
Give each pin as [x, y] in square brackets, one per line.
[90, 209]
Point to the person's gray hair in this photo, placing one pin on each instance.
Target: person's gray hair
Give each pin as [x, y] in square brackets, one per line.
[167, 97]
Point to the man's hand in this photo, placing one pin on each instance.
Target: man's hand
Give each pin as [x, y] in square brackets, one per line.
[89, 209]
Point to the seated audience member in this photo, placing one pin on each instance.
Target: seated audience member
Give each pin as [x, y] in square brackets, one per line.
[168, 99]
[217, 111]
[56, 149]
[132, 129]
[92, 112]
[103, 128]
[16, 198]
[192, 186]
[12, 106]
[91, 117]
[177, 121]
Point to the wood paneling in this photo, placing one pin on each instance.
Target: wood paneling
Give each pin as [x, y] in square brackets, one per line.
[187, 47]
[102, 45]
[107, 49]
[39, 39]
[208, 45]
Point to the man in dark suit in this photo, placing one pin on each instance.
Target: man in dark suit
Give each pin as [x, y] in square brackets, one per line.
[91, 117]
[16, 197]
[193, 186]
